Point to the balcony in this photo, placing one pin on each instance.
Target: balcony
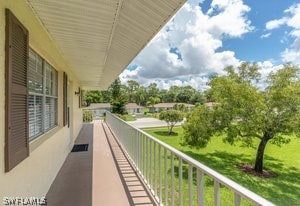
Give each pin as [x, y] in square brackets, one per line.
[102, 175]
[126, 166]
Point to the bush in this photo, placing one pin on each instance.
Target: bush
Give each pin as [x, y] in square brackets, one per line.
[87, 116]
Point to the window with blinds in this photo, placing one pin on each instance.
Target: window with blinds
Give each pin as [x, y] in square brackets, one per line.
[42, 101]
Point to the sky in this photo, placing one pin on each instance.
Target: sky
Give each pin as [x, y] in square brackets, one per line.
[205, 36]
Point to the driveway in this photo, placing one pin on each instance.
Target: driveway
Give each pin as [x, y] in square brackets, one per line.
[146, 122]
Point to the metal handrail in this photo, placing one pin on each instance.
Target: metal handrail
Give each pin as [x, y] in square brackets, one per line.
[138, 147]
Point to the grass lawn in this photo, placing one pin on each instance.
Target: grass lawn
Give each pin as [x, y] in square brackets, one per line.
[127, 117]
[284, 161]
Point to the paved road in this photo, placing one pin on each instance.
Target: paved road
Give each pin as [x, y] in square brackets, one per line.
[148, 122]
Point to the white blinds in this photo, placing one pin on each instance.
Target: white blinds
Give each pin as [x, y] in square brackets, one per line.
[42, 104]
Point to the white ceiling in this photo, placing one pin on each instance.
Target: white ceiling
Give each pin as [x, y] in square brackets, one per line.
[99, 38]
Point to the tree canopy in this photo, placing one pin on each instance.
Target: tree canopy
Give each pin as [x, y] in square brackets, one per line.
[118, 100]
[245, 111]
[171, 117]
[144, 95]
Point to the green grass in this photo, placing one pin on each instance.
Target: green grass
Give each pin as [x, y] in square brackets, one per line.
[222, 157]
[154, 115]
[127, 117]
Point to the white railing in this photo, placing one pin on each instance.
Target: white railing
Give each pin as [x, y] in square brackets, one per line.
[172, 176]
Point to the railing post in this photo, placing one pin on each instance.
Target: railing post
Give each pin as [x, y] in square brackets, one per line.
[200, 187]
[166, 176]
[190, 180]
[237, 199]
[144, 155]
[138, 154]
[216, 193]
[154, 172]
[172, 180]
[150, 162]
[160, 175]
[180, 181]
[147, 159]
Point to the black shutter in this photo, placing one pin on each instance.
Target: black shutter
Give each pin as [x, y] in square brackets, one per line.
[65, 99]
[16, 93]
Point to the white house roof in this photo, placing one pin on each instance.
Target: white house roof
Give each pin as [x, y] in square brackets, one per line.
[170, 105]
[133, 106]
[99, 106]
[99, 38]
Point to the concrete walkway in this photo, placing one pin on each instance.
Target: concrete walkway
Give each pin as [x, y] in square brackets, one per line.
[100, 176]
[73, 183]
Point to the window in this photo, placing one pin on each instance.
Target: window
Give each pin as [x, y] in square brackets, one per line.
[42, 101]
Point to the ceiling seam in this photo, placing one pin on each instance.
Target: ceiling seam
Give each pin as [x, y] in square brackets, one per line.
[116, 19]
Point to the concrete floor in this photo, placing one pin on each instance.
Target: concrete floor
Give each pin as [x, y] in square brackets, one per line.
[100, 176]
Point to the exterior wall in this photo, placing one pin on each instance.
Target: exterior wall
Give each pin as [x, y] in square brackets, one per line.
[130, 111]
[34, 175]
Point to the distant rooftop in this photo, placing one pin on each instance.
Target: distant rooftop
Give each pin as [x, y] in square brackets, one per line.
[169, 105]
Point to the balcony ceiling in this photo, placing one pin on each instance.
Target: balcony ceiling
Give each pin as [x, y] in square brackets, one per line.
[99, 38]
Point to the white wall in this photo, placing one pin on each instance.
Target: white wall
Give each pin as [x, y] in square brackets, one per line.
[34, 175]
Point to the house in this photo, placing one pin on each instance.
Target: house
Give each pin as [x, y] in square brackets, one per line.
[50, 52]
[133, 108]
[168, 106]
[98, 109]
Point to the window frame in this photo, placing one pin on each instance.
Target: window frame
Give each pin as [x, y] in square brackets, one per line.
[52, 94]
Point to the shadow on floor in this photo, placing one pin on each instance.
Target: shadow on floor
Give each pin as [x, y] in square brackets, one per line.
[136, 191]
[73, 183]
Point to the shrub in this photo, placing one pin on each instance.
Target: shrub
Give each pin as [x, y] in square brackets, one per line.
[87, 116]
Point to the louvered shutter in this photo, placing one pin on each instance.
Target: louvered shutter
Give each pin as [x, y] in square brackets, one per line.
[65, 98]
[16, 117]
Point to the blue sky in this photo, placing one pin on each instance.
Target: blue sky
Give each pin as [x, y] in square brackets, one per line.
[207, 35]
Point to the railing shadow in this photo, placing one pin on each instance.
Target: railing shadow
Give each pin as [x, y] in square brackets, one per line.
[136, 191]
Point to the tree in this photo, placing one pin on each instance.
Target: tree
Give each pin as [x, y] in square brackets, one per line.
[132, 89]
[185, 94]
[152, 101]
[93, 96]
[171, 117]
[152, 90]
[197, 98]
[119, 99]
[180, 107]
[245, 112]
[106, 95]
[140, 96]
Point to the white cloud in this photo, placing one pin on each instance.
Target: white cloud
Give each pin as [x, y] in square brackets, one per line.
[276, 23]
[267, 35]
[292, 19]
[291, 55]
[198, 38]
[267, 67]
